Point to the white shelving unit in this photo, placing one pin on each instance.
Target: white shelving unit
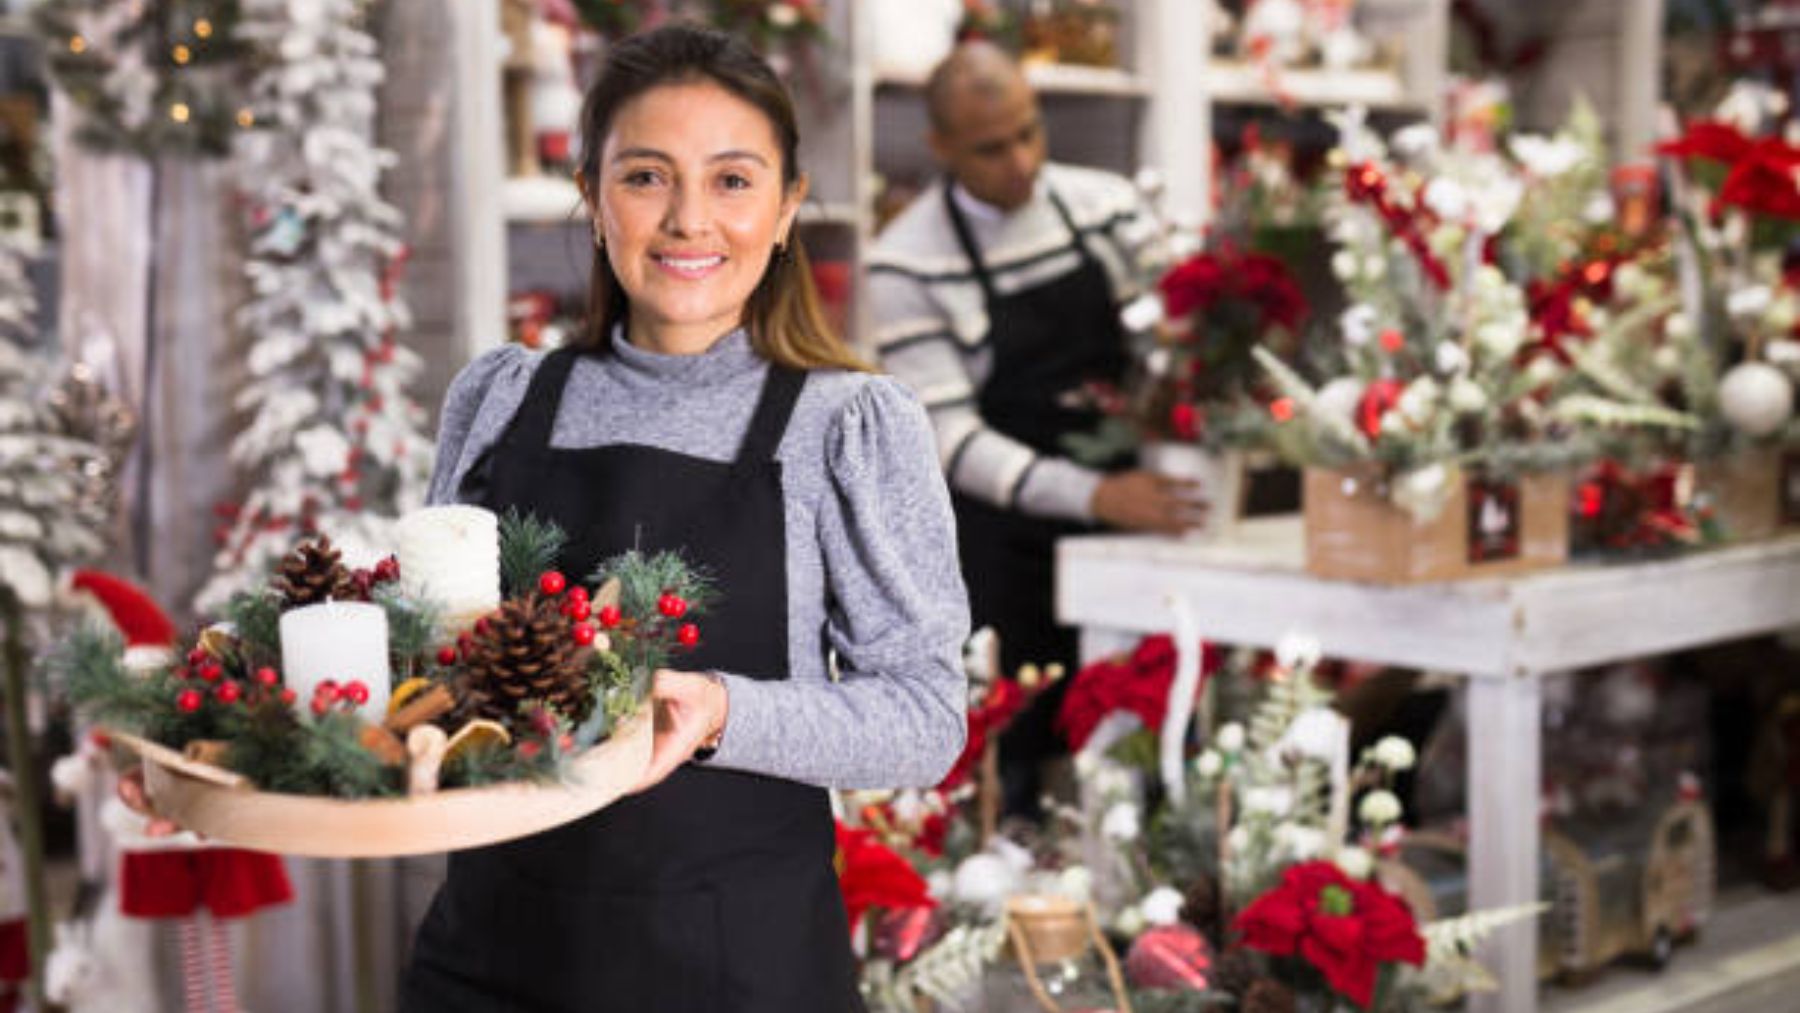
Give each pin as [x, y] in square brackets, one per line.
[1156, 111]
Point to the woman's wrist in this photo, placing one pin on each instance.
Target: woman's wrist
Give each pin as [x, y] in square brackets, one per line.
[710, 744]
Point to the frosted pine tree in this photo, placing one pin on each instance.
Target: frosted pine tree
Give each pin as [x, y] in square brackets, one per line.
[58, 452]
[332, 442]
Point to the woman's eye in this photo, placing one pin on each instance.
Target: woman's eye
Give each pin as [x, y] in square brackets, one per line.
[640, 177]
[735, 181]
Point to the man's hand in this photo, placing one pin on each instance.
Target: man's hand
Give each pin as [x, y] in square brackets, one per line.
[690, 709]
[1146, 501]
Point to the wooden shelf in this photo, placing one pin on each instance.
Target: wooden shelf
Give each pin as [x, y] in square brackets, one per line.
[1056, 79]
[1245, 84]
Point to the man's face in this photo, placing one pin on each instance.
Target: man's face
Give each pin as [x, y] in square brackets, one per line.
[993, 143]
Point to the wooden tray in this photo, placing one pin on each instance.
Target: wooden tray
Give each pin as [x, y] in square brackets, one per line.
[222, 807]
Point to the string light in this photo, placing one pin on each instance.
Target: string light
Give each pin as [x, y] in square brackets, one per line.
[183, 55]
[77, 45]
[203, 29]
[246, 118]
[179, 112]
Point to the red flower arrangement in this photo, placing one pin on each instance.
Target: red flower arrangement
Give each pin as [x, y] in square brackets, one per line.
[1205, 281]
[870, 874]
[1366, 183]
[1760, 171]
[1004, 700]
[1346, 928]
[1138, 683]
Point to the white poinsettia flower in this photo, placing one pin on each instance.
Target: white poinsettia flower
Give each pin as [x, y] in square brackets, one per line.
[323, 449]
[1417, 142]
[1230, 737]
[1297, 651]
[984, 880]
[1162, 906]
[1358, 324]
[1298, 842]
[1121, 823]
[1318, 732]
[1447, 198]
[1395, 753]
[1379, 807]
[1355, 862]
[1547, 157]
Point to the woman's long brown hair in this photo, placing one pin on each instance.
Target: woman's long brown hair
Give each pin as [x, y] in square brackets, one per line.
[786, 322]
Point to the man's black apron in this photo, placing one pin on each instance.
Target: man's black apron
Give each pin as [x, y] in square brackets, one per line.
[713, 892]
[1046, 342]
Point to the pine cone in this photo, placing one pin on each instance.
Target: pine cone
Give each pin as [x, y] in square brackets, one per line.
[1234, 972]
[1200, 906]
[314, 572]
[524, 652]
[1266, 995]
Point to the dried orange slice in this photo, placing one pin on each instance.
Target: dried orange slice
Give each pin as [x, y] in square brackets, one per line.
[404, 693]
[480, 733]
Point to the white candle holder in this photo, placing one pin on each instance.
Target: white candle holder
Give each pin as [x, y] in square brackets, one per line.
[337, 640]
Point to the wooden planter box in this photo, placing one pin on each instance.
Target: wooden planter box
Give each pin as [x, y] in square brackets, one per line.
[1744, 490]
[1354, 533]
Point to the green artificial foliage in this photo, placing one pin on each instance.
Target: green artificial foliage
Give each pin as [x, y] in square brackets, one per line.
[413, 626]
[255, 617]
[280, 752]
[528, 547]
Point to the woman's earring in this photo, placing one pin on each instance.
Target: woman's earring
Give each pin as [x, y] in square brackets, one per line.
[599, 237]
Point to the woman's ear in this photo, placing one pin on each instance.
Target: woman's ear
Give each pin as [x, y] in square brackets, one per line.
[790, 208]
[588, 197]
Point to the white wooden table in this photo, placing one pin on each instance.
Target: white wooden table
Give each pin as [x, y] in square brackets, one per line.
[1503, 634]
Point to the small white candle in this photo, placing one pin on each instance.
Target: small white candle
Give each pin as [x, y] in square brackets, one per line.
[337, 640]
[451, 555]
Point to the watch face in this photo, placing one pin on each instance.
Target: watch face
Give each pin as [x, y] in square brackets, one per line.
[1493, 520]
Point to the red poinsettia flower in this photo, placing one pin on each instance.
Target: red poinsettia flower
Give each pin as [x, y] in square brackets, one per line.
[870, 874]
[1346, 928]
[1762, 181]
[1708, 139]
[1138, 683]
[1206, 280]
[1003, 702]
[1378, 398]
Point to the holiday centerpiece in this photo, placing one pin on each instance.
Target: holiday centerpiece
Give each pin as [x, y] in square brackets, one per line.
[1738, 203]
[461, 693]
[1440, 445]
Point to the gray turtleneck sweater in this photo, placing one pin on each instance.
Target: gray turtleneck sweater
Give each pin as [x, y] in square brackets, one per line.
[871, 546]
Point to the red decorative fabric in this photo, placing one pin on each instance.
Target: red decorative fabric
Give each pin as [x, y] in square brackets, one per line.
[228, 882]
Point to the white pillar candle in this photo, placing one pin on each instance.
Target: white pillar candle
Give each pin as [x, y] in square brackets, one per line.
[342, 641]
[450, 555]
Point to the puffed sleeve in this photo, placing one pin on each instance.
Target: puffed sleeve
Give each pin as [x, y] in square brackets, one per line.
[466, 421]
[897, 615]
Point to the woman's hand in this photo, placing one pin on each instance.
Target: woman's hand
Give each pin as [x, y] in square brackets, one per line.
[132, 793]
[690, 709]
[1146, 501]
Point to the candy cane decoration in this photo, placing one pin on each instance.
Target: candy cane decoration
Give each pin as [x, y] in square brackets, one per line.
[1182, 691]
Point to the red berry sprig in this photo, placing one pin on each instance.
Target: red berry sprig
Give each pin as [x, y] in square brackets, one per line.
[688, 635]
[552, 583]
[188, 700]
[672, 605]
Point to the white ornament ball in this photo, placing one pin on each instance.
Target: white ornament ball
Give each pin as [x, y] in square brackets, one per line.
[1756, 398]
[1338, 399]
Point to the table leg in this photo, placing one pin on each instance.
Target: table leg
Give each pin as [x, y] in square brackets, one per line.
[1099, 641]
[1504, 756]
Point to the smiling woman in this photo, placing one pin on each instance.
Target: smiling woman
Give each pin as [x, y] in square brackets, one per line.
[708, 409]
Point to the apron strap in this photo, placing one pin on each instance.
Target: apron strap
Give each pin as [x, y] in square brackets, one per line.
[780, 390]
[536, 417]
[965, 238]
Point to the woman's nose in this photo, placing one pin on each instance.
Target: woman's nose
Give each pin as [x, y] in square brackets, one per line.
[688, 212]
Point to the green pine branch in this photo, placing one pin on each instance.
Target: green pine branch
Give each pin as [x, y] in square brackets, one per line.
[528, 547]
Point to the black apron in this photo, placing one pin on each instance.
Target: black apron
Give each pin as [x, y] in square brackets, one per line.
[1046, 342]
[713, 892]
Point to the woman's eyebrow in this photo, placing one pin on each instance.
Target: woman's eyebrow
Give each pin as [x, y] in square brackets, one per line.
[733, 155]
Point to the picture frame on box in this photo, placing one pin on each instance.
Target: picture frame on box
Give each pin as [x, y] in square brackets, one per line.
[1494, 520]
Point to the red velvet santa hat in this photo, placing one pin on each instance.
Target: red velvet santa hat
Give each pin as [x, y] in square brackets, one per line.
[149, 634]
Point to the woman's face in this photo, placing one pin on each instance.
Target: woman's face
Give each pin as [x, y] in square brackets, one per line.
[691, 203]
